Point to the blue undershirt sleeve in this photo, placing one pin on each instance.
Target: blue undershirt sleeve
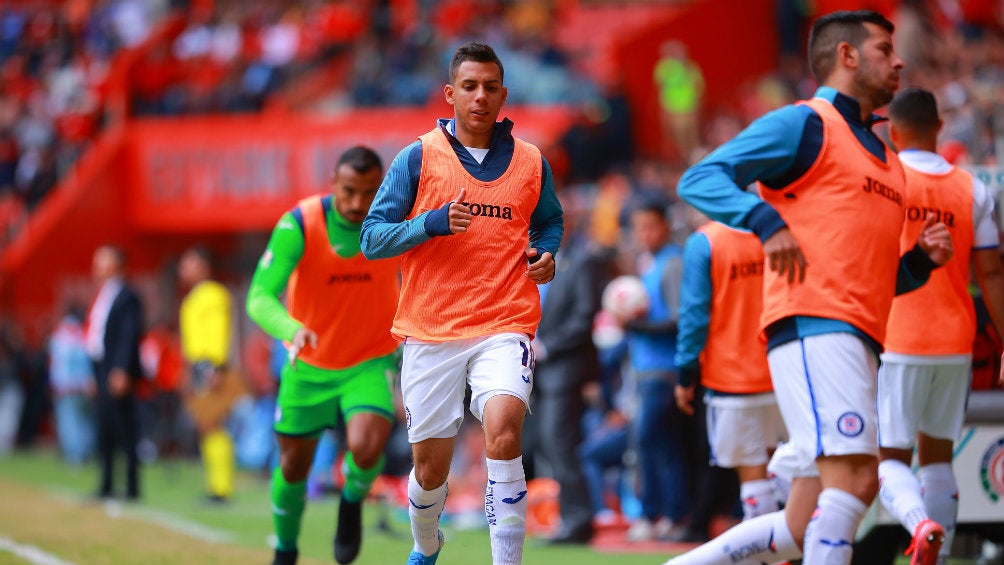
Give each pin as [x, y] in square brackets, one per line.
[767, 149]
[695, 301]
[386, 232]
[914, 269]
[546, 222]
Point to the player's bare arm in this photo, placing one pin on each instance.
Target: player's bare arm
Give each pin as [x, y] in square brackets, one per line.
[936, 241]
[459, 214]
[785, 256]
[540, 270]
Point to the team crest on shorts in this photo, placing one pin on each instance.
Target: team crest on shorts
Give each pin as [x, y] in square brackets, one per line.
[278, 414]
[407, 418]
[992, 470]
[850, 424]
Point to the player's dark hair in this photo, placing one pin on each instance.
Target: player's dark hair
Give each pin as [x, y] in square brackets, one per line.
[362, 159]
[477, 52]
[914, 109]
[830, 30]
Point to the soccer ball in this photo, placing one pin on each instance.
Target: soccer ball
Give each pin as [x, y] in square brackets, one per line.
[625, 298]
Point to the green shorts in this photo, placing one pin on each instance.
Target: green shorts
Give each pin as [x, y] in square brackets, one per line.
[311, 399]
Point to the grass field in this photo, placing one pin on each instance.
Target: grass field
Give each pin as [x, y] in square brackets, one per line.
[46, 505]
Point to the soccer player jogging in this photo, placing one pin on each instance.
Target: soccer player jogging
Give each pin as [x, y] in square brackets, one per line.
[472, 212]
[829, 213]
[716, 345]
[923, 381]
[341, 351]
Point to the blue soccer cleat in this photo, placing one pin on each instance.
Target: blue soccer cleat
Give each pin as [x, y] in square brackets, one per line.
[417, 558]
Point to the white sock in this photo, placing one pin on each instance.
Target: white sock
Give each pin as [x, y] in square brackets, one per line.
[781, 486]
[830, 534]
[505, 509]
[764, 539]
[900, 494]
[941, 499]
[757, 498]
[424, 509]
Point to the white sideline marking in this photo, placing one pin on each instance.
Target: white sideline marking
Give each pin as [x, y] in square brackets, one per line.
[181, 525]
[114, 509]
[31, 553]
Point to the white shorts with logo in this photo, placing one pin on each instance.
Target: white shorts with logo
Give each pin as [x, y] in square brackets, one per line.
[918, 394]
[434, 378]
[825, 389]
[742, 428]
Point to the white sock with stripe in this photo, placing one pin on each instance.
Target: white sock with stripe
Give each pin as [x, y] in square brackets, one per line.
[758, 498]
[424, 509]
[505, 509]
[764, 539]
[830, 534]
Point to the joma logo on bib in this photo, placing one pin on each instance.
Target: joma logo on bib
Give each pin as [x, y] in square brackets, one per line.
[489, 210]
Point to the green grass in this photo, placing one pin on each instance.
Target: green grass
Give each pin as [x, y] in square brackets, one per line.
[46, 504]
[68, 526]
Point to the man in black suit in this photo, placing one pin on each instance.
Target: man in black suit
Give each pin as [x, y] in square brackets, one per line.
[566, 360]
[114, 328]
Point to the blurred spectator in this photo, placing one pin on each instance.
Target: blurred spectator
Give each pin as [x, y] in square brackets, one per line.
[71, 376]
[658, 425]
[114, 327]
[213, 386]
[681, 87]
[566, 359]
[11, 389]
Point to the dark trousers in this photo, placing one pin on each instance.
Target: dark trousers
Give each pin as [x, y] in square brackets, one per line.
[560, 431]
[118, 428]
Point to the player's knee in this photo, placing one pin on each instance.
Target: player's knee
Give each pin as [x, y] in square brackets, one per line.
[431, 476]
[366, 456]
[504, 444]
[295, 466]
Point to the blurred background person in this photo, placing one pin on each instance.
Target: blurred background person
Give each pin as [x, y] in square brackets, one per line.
[566, 360]
[71, 376]
[651, 338]
[205, 323]
[719, 352]
[114, 330]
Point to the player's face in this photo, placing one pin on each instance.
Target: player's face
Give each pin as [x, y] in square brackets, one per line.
[877, 75]
[354, 191]
[477, 96]
[649, 229]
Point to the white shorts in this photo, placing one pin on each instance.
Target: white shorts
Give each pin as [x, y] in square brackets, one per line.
[786, 464]
[742, 428]
[825, 388]
[921, 398]
[434, 378]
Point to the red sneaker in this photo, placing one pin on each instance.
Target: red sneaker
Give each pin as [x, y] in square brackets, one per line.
[927, 540]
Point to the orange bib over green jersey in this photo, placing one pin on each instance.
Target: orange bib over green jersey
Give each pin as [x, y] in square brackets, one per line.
[355, 297]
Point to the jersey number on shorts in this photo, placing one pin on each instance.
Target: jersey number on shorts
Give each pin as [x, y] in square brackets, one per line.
[527, 359]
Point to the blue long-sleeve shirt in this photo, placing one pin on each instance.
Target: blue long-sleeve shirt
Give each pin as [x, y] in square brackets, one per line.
[776, 150]
[386, 232]
[695, 301]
